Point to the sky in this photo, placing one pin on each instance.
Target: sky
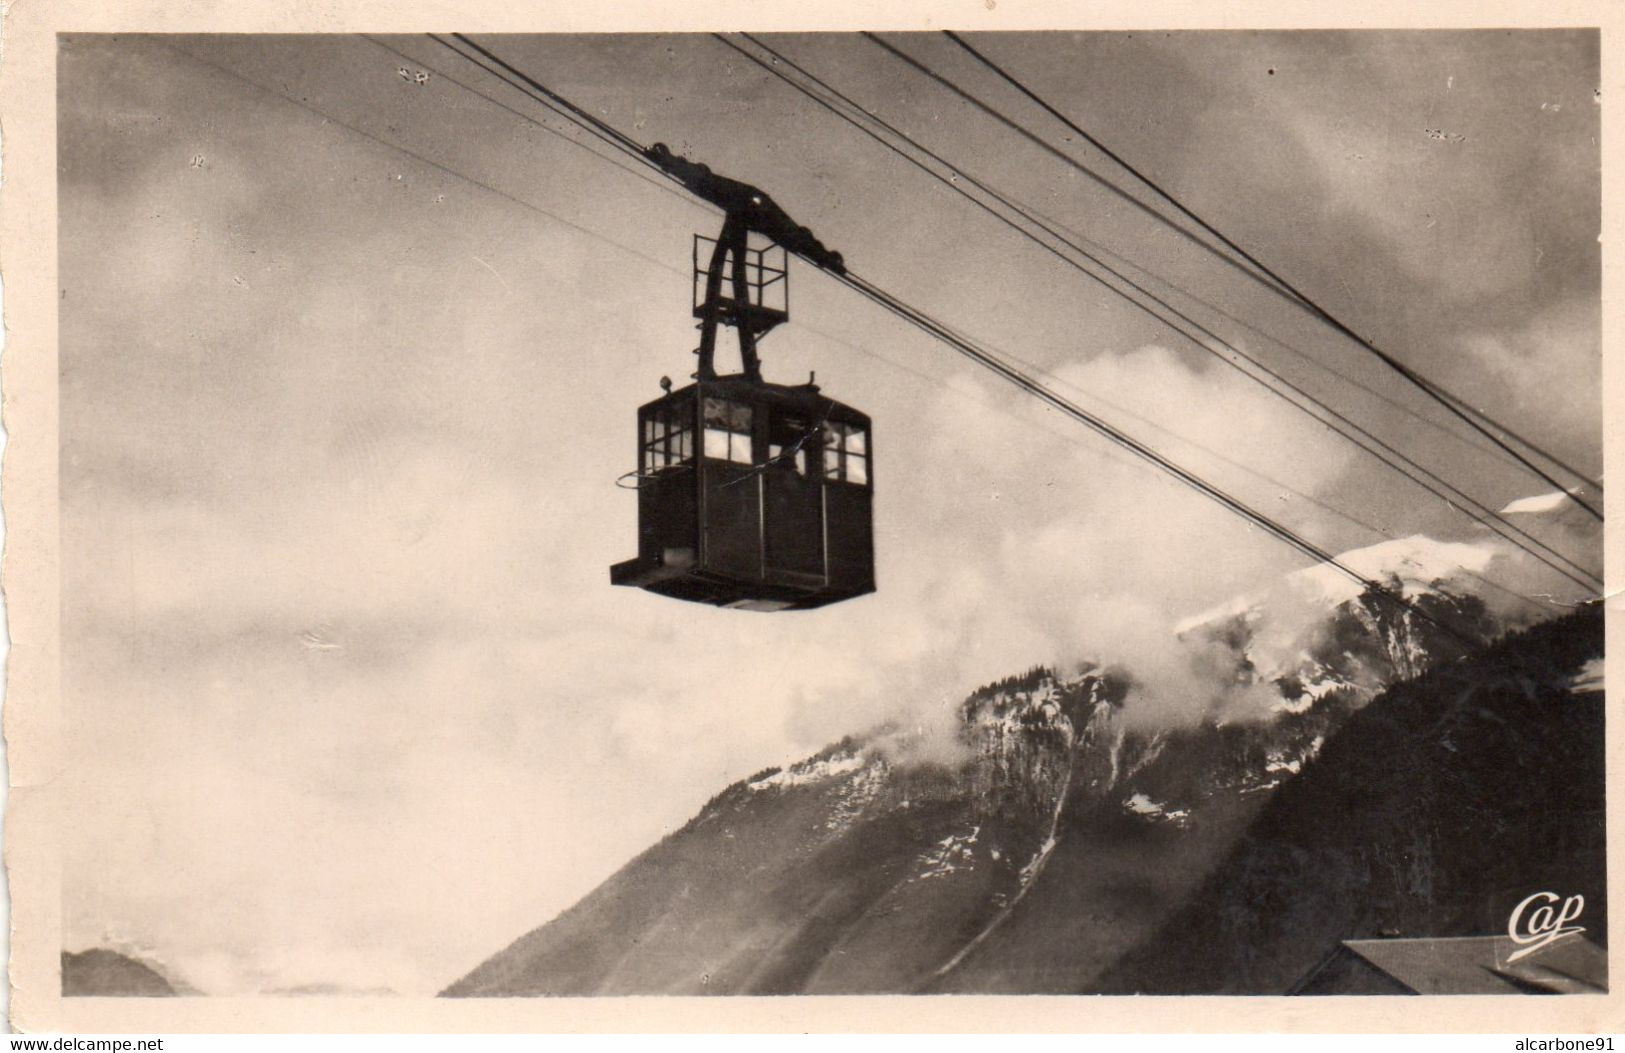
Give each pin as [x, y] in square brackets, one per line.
[353, 701]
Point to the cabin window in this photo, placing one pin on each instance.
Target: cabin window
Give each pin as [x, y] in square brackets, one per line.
[788, 439]
[728, 430]
[794, 457]
[668, 437]
[846, 452]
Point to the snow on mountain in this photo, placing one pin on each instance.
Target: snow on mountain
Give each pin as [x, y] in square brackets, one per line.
[1418, 562]
[1140, 804]
[1590, 679]
[1538, 504]
[808, 772]
[1319, 634]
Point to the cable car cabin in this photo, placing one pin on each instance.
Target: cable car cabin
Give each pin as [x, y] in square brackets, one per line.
[750, 494]
[753, 495]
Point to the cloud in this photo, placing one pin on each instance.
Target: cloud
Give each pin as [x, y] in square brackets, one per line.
[1054, 546]
[1550, 372]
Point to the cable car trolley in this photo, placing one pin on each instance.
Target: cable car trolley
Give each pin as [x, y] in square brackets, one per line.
[750, 494]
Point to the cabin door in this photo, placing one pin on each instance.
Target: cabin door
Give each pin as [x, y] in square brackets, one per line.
[793, 499]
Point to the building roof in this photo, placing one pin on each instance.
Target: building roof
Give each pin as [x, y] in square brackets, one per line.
[1479, 965]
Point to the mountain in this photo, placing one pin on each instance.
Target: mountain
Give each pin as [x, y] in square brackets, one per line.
[1063, 843]
[100, 972]
[1455, 794]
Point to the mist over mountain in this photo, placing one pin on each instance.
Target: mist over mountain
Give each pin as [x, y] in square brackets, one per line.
[1074, 830]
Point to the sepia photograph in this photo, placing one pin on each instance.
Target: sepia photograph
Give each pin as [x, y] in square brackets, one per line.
[929, 512]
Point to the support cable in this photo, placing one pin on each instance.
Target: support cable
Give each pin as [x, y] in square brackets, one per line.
[965, 347]
[1264, 277]
[636, 173]
[1045, 394]
[1437, 392]
[1405, 465]
[1056, 229]
[1369, 528]
[897, 307]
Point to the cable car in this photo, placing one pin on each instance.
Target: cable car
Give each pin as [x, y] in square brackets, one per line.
[751, 495]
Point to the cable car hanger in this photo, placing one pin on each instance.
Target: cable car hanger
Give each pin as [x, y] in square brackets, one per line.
[746, 209]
